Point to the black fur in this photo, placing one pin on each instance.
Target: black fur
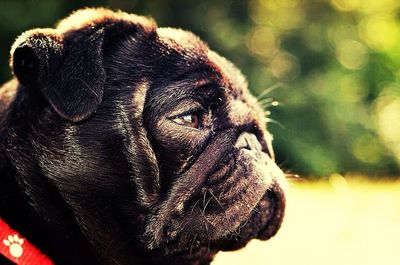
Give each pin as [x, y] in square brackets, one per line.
[94, 170]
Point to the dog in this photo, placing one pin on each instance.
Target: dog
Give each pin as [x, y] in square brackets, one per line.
[125, 143]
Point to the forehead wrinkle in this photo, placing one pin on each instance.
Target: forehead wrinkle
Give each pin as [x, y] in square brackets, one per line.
[164, 96]
[186, 85]
[139, 98]
[196, 54]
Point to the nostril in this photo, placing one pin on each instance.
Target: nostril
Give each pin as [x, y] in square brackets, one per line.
[255, 143]
[242, 142]
[248, 144]
[259, 138]
[248, 141]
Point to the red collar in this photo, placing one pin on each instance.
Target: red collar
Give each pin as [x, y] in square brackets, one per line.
[19, 250]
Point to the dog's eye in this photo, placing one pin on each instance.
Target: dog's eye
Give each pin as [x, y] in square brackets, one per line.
[189, 120]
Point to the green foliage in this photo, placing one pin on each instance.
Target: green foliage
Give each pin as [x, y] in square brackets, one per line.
[337, 62]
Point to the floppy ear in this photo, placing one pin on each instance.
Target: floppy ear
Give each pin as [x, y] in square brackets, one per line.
[67, 70]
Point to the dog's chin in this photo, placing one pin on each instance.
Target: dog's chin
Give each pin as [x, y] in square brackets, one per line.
[242, 200]
[263, 223]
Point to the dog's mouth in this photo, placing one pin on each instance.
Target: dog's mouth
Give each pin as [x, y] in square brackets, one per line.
[263, 223]
[234, 208]
[258, 187]
[242, 200]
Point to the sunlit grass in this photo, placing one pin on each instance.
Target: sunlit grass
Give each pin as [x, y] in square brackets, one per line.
[330, 223]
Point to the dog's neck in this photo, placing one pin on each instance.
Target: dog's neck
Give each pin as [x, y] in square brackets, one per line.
[9, 189]
[15, 209]
[18, 208]
[10, 194]
[12, 207]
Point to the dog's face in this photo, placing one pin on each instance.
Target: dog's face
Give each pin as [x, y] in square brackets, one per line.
[146, 135]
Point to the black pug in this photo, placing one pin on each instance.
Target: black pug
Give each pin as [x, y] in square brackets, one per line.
[124, 143]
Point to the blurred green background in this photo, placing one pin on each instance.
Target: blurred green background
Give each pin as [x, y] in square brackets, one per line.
[334, 65]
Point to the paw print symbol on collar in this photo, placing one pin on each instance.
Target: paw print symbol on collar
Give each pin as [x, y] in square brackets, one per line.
[14, 243]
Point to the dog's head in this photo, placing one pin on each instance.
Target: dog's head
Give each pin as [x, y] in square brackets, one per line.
[149, 139]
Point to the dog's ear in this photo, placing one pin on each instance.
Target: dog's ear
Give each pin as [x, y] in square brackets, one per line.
[67, 70]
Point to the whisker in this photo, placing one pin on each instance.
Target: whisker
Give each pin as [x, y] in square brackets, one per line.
[269, 120]
[205, 207]
[194, 206]
[291, 177]
[218, 201]
[265, 101]
[270, 104]
[204, 199]
[268, 90]
[192, 245]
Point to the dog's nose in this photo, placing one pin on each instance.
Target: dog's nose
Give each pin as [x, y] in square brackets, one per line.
[248, 141]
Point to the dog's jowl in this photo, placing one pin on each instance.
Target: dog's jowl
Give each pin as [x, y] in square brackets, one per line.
[125, 143]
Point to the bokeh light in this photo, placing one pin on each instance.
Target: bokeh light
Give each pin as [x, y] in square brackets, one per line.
[285, 66]
[263, 41]
[380, 32]
[387, 114]
[351, 54]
